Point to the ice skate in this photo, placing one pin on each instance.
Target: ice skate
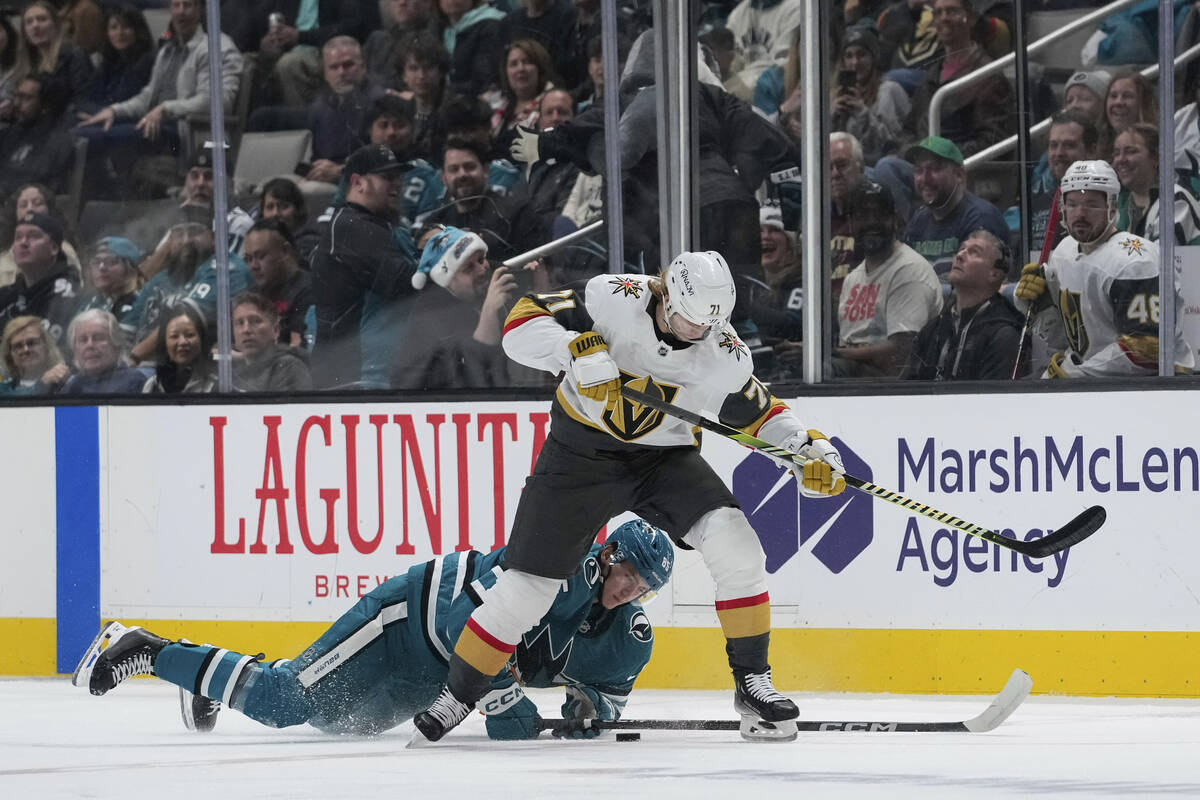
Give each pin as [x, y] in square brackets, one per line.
[199, 712]
[443, 715]
[115, 654]
[766, 714]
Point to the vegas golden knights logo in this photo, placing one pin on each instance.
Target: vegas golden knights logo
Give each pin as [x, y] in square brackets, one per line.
[1070, 306]
[630, 420]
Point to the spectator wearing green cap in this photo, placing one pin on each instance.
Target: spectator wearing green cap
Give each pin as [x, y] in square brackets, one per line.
[948, 212]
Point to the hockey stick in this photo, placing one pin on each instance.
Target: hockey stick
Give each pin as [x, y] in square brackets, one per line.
[1001, 708]
[1073, 532]
[1047, 247]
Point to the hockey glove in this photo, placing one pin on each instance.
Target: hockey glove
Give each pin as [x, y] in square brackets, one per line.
[596, 374]
[1031, 289]
[524, 147]
[510, 714]
[1064, 366]
[585, 704]
[822, 474]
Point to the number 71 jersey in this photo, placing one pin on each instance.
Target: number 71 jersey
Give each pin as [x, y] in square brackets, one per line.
[1109, 306]
[701, 376]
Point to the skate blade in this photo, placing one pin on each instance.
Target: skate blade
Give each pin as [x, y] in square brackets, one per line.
[187, 710]
[83, 673]
[754, 729]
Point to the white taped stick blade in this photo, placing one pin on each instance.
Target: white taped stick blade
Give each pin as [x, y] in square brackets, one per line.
[759, 730]
[1012, 695]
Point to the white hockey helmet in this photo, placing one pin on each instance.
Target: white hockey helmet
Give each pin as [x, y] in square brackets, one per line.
[700, 289]
[1091, 176]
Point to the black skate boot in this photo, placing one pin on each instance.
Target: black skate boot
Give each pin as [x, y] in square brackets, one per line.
[766, 714]
[442, 715]
[115, 654]
[199, 712]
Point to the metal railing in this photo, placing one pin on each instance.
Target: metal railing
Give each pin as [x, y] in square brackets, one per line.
[1004, 145]
[987, 70]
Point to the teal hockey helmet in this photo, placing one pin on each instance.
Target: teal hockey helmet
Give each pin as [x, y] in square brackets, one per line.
[647, 548]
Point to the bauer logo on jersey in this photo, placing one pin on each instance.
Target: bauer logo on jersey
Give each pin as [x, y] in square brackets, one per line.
[733, 345]
[630, 420]
[639, 627]
[628, 287]
[834, 530]
[1070, 305]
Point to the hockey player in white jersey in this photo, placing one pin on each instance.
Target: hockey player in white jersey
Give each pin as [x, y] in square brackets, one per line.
[1097, 302]
[605, 454]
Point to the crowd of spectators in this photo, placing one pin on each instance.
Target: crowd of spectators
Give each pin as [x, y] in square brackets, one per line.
[449, 136]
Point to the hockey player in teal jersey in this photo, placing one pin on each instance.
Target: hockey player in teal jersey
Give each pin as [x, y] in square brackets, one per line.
[386, 657]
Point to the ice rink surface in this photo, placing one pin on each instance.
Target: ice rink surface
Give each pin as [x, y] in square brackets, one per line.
[56, 741]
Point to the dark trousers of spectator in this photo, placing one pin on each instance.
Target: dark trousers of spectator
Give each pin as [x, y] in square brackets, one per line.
[112, 153]
[277, 118]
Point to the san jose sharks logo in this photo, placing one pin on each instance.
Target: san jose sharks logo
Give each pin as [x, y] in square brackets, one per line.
[1133, 247]
[639, 627]
[538, 656]
[733, 345]
[628, 287]
[630, 420]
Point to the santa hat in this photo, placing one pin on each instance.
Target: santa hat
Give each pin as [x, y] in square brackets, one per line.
[770, 215]
[445, 252]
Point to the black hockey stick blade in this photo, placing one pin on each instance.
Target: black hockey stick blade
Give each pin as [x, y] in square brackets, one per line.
[1001, 708]
[1074, 531]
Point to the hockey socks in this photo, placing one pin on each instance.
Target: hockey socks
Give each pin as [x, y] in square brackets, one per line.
[477, 657]
[745, 616]
[206, 670]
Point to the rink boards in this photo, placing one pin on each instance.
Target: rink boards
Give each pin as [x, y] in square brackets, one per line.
[254, 526]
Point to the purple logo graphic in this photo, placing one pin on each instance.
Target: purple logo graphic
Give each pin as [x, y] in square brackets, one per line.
[842, 525]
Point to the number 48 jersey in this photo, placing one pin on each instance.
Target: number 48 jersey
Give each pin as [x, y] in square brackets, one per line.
[1107, 302]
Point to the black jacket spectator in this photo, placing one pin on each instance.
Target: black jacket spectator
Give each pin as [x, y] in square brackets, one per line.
[738, 151]
[475, 54]
[979, 344]
[53, 298]
[37, 147]
[356, 257]
[336, 121]
[121, 73]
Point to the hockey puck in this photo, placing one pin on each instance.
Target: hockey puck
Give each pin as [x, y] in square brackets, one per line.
[629, 737]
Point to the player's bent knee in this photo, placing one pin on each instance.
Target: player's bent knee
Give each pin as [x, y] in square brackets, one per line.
[731, 551]
[515, 603]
